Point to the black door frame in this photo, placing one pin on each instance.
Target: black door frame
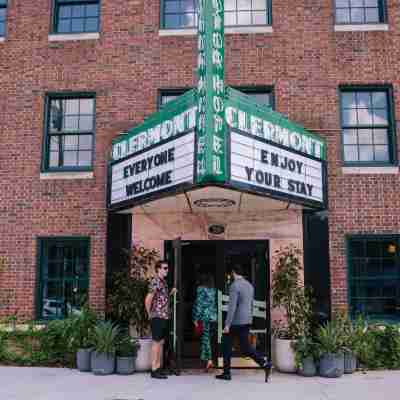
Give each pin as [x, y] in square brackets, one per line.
[171, 254]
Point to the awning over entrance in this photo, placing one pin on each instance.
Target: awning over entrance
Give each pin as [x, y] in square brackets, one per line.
[217, 146]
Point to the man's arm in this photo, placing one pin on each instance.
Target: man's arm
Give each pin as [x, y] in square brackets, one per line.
[147, 302]
[233, 301]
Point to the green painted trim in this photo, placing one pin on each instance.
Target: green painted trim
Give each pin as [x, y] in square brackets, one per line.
[41, 242]
[364, 237]
[44, 167]
[392, 139]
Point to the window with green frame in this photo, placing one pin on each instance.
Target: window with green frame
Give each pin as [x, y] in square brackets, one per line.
[76, 16]
[374, 277]
[360, 11]
[63, 276]
[69, 136]
[367, 125]
[178, 14]
[3, 17]
[261, 95]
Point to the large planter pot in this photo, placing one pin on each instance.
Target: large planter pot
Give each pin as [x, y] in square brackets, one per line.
[284, 355]
[308, 368]
[125, 365]
[102, 364]
[350, 363]
[83, 357]
[143, 359]
[331, 365]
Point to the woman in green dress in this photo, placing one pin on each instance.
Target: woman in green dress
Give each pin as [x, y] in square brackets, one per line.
[205, 310]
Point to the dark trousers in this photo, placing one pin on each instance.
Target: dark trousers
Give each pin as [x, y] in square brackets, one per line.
[241, 331]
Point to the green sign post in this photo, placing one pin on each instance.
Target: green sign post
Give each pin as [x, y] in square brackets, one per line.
[211, 127]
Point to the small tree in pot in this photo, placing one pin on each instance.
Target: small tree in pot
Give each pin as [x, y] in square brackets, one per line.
[129, 287]
[127, 348]
[105, 340]
[289, 294]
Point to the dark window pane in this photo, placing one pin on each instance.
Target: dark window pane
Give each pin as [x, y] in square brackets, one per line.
[3, 12]
[349, 100]
[64, 26]
[77, 25]
[357, 248]
[92, 10]
[78, 11]
[379, 100]
[172, 21]
[374, 248]
[172, 7]
[65, 12]
[91, 25]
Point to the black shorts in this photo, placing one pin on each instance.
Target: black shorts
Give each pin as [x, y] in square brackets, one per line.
[159, 329]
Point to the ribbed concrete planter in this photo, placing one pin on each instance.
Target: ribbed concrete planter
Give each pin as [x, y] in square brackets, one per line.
[102, 364]
[284, 355]
[350, 363]
[308, 368]
[83, 357]
[331, 365]
[125, 365]
[143, 359]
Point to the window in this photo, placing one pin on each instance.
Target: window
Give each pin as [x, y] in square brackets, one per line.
[360, 11]
[76, 16]
[374, 277]
[63, 276]
[70, 133]
[178, 14]
[367, 129]
[3, 14]
[170, 94]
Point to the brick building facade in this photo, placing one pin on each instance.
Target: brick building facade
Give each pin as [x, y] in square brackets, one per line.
[305, 54]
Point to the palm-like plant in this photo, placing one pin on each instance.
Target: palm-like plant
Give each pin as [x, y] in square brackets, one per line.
[330, 337]
[105, 337]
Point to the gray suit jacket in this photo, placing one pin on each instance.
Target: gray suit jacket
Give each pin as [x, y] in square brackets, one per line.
[241, 297]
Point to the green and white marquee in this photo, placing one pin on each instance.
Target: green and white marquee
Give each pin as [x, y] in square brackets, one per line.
[214, 142]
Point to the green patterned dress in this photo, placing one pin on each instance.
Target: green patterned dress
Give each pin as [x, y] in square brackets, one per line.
[205, 310]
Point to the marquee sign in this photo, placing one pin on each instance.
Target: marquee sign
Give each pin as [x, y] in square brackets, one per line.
[215, 135]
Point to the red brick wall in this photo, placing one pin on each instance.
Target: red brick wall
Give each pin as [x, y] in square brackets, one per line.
[304, 59]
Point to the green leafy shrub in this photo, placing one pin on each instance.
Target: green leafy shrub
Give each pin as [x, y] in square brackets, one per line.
[105, 337]
[127, 346]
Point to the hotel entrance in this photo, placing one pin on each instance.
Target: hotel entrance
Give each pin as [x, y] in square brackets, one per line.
[189, 261]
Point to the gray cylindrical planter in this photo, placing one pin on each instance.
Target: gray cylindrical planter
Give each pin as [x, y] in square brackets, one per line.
[308, 368]
[102, 364]
[350, 363]
[125, 365]
[83, 357]
[331, 365]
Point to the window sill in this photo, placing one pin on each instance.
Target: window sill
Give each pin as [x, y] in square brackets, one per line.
[370, 170]
[66, 175]
[58, 37]
[361, 27]
[2, 39]
[228, 30]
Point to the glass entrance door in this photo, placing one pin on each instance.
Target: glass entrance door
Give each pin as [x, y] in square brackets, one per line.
[253, 258]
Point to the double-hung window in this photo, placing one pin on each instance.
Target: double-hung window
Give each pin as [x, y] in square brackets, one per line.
[374, 276]
[69, 139]
[3, 16]
[179, 14]
[76, 16]
[360, 11]
[63, 276]
[367, 127]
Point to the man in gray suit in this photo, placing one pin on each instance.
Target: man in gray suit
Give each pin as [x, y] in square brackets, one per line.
[238, 323]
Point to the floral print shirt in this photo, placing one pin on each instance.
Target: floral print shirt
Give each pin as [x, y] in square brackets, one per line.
[160, 304]
[205, 305]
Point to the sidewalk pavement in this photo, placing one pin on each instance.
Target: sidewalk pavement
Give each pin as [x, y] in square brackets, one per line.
[67, 384]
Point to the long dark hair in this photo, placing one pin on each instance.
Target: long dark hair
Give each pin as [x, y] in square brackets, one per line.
[207, 280]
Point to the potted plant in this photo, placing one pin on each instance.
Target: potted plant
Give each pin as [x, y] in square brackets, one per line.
[127, 348]
[105, 338]
[289, 294]
[306, 354]
[354, 335]
[129, 287]
[331, 345]
[81, 335]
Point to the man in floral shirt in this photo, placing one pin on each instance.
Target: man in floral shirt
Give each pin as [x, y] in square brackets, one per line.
[157, 307]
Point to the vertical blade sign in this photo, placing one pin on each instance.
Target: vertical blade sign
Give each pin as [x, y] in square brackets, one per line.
[211, 137]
